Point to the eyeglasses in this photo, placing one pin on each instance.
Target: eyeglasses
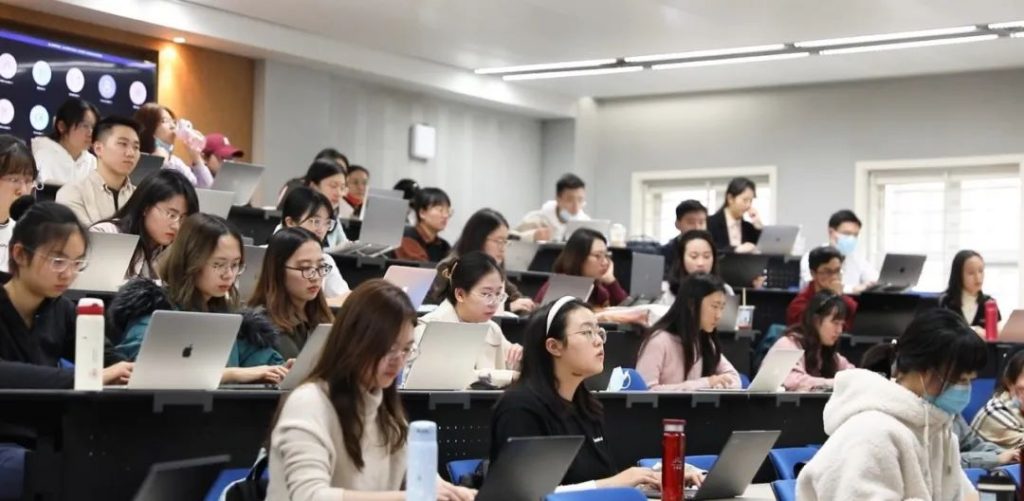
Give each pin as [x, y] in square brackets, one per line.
[593, 335]
[491, 298]
[321, 223]
[601, 256]
[25, 181]
[62, 264]
[825, 272]
[311, 272]
[407, 354]
[172, 216]
[503, 242]
[232, 268]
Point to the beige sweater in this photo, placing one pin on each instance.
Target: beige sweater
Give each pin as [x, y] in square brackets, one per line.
[308, 461]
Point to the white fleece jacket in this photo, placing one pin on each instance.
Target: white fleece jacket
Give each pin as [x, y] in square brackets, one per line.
[547, 216]
[884, 443]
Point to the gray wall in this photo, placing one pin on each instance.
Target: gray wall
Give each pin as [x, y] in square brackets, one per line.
[814, 134]
[485, 158]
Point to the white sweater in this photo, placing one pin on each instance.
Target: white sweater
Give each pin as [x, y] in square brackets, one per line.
[884, 442]
[308, 461]
[56, 165]
[547, 216]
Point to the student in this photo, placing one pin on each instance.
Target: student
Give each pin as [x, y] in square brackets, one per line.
[818, 335]
[309, 209]
[475, 291]
[342, 433]
[730, 230]
[1001, 420]
[690, 215]
[37, 323]
[63, 154]
[697, 254]
[17, 178]
[826, 265]
[333, 155]
[563, 345]
[199, 273]
[154, 213]
[843, 231]
[682, 352]
[548, 223]
[423, 242]
[218, 150]
[586, 255]
[487, 231]
[289, 291]
[102, 193]
[326, 177]
[159, 131]
[892, 439]
[357, 181]
[963, 294]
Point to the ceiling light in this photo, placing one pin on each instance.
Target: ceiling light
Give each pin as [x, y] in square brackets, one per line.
[572, 73]
[1019, 34]
[178, 39]
[706, 53]
[885, 37]
[1003, 26]
[908, 45]
[730, 60]
[546, 66]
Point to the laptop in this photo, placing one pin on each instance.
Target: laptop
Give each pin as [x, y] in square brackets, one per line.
[601, 226]
[215, 203]
[383, 224]
[777, 240]
[519, 255]
[307, 358]
[568, 285]
[145, 167]
[900, 272]
[239, 178]
[109, 256]
[646, 274]
[177, 480]
[735, 468]
[184, 350]
[448, 353]
[729, 314]
[740, 270]
[1013, 329]
[772, 372]
[253, 267]
[381, 192]
[415, 282]
[529, 468]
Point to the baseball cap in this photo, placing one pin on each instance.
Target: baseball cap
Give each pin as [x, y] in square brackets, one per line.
[218, 144]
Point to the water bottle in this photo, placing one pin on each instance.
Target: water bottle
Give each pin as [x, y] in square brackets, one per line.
[997, 487]
[89, 345]
[421, 462]
[991, 320]
[194, 139]
[617, 235]
[673, 456]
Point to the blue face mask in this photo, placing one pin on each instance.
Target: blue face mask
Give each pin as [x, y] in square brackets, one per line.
[846, 244]
[953, 400]
[168, 147]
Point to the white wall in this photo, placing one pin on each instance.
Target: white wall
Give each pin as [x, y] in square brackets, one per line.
[485, 158]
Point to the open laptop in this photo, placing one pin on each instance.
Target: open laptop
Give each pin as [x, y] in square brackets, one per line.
[184, 350]
[254, 256]
[109, 256]
[735, 468]
[519, 254]
[177, 480]
[239, 178]
[529, 468]
[307, 358]
[568, 285]
[772, 372]
[448, 353]
[601, 226]
[729, 314]
[777, 239]
[383, 224]
[215, 203]
[740, 270]
[415, 282]
[145, 167]
[646, 274]
[900, 272]
[382, 192]
[1013, 329]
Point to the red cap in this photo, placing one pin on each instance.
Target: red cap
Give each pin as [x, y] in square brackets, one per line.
[218, 144]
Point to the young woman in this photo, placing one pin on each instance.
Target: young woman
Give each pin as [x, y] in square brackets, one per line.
[37, 323]
[586, 255]
[311, 210]
[423, 242]
[289, 291]
[1001, 421]
[159, 131]
[964, 295]
[63, 154]
[342, 433]
[17, 178]
[697, 254]
[154, 213]
[817, 334]
[475, 291]
[357, 182]
[727, 225]
[328, 178]
[681, 352]
[200, 270]
[892, 439]
[563, 345]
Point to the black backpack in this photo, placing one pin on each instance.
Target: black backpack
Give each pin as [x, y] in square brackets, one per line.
[253, 487]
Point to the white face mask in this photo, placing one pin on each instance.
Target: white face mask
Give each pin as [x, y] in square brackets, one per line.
[566, 215]
[619, 381]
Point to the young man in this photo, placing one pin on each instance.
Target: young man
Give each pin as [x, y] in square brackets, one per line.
[843, 231]
[826, 265]
[690, 215]
[219, 150]
[100, 194]
[548, 223]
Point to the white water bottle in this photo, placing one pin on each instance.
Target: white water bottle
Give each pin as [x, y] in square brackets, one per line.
[421, 462]
[89, 345]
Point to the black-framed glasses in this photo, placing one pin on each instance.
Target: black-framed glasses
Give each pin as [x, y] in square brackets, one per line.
[311, 272]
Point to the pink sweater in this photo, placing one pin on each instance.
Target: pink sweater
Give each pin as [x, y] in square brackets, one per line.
[661, 365]
[798, 378]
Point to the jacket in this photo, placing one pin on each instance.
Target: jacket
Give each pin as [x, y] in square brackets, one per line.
[56, 165]
[1000, 422]
[719, 229]
[975, 452]
[797, 307]
[547, 216]
[979, 316]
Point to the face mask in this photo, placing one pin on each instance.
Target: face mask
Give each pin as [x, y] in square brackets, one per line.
[846, 244]
[953, 400]
[565, 215]
[619, 381]
[1015, 403]
[161, 144]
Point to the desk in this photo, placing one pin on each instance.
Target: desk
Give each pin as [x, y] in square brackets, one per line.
[528, 282]
[358, 269]
[254, 222]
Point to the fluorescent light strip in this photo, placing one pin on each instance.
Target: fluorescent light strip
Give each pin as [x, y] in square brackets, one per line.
[572, 73]
[705, 53]
[1003, 26]
[886, 37]
[908, 45]
[547, 66]
[730, 60]
[1018, 35]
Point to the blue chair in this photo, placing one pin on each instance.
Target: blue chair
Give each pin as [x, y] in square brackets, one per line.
[636, 381]
[12, 470]
[744, 381]
[704, 462]
[974, 475]
[609, 494]
[785, 490]
[786, 460]
[460, 468]
[225, 479]
[1013, 470]
[981, 391]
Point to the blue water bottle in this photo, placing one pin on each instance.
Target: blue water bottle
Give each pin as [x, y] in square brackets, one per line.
[421, 462]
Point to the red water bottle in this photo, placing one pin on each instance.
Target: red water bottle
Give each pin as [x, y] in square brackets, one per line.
[991, 320]
[673, 456]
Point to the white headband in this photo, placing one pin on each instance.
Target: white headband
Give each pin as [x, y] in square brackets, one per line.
[555, 309]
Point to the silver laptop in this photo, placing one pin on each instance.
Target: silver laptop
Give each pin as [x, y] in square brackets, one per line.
[519, 255]
[184, 350]
[900, 272]
[253, 266]
[415, 282]
[307, 358]
[529, 468]
[145, 167]
[240, 178]
[601, 226]
[215, 203]
[1013, 329]
[646, 274]
[774, 369]
[778, 239]
[448, 353]
[382, 192]
[728, 321]
[110, 255]
[568, 285]
[382, 227]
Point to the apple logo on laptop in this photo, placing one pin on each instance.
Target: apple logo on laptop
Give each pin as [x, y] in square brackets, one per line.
[903, 269]
[187, 352]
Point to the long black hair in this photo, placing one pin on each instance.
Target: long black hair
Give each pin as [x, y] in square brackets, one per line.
[71, 113]
[303, 201]
[41, 224]
[479, 226]
[937, 339]
[954, 291]
[682, 320]
[467, 270]
[678, 271]
[577, 249]
[819, 360]
[736, 188]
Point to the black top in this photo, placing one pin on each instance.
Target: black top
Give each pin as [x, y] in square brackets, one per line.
[522, 413]
[719, 229]
[672, 254]
[289, 344]
[979, 316]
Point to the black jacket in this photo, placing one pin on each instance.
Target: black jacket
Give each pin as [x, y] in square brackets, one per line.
[979, 316]
[719, 229]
